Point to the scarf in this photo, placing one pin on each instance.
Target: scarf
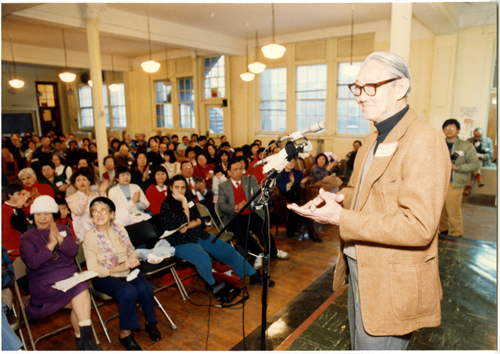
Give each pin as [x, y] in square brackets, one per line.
[110, 254]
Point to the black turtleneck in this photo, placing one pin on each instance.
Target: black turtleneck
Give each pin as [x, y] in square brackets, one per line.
[385, 127]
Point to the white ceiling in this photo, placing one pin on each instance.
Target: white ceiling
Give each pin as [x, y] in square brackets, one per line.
[208, 27]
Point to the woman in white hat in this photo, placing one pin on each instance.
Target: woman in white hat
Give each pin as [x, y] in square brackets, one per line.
[48, 250]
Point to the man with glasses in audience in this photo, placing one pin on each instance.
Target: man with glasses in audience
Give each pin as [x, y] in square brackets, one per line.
[388, 215]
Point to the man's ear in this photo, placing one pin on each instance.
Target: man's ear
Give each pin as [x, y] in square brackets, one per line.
[403, 86]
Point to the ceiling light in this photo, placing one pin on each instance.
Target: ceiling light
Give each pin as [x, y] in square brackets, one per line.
[273, 50]
[90, 83]
[351, 70]
[247, 76]
[150, 66]
[257, 67]
[66, 76]
[15, 82]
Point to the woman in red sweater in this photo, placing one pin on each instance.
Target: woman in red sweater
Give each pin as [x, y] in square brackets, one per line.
[203, 169]
[157, 192]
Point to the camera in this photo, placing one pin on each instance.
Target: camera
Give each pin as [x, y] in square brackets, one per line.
[454, 157]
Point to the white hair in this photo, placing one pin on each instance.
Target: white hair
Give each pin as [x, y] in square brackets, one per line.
[26, 171]
[396, 65]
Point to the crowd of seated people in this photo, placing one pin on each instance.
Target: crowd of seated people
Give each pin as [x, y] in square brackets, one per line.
[164, 176]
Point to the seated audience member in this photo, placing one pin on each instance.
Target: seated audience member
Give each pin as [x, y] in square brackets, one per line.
[203, 169]
[218, 178]
[44, 153]
[211, 154]
[13, 217]
[109, 175]
[61, 168]
[14, 146]
[223, 139]
[321, 169]
[33, 187]
[79, 202]
[92, 154]
[190, 154]
[49, 251]
[123, 156]
[65, 217]
[211, 141]
[484, 151]
[233, 195]
[154, 156]
[258, 142]
[10, 341]
[184, 145]
[194, 140]
[351, 157]
[171, 165]
[224, 157]
[114, 145]
[157, 192]
[28, 153]
[193, 244]
[238, 152]
[254, 151]
[85, 144]
[109, 252]
[127, 137]
[202, 141]
[244, 163]
[140, 171]
[57, 183]
[226, 146]
[289, 183]
[129, 196]
[161, 150]
[175, 140]
[84, 162]
[257, 171]
[73, 154]
[59, 147]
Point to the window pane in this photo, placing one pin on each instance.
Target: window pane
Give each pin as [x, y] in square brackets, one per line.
[216, 120]
[349, 117]
[214, 77]
[273, 99]
[118, 107]
[310, 94]
[186, 103]
[164, 116]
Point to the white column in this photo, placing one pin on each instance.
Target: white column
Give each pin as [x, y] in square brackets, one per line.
[96, 77]
[401, 29]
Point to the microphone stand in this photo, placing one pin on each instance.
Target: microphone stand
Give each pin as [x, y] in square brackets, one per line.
[271, 176]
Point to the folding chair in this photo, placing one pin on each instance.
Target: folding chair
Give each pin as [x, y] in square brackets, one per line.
[227, 236]
[19, 272]
[15, 321]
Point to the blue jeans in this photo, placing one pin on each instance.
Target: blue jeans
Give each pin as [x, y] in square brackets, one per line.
[197, 254]
[9, 339]
[128, 293]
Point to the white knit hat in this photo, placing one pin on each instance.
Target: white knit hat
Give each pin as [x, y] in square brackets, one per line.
[44, 204]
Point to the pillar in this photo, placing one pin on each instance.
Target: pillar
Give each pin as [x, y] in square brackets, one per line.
[401, 29]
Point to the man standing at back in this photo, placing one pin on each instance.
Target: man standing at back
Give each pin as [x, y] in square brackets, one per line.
[389, 213]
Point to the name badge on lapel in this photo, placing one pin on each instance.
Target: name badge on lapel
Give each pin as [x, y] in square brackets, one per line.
[385, 150]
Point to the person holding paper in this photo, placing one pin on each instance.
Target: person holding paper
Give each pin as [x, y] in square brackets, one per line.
[48, 250]
[109, 252]
[193, 244]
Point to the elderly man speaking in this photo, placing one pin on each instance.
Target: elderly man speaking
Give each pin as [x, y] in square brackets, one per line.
[388, 215]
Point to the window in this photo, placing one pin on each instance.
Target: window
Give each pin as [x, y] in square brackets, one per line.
[214, 79]
[118, 113]
[186, 103]
[164, 114]
[273, 99]
[349, 117]
[216, 120]
[47, 97]
[310, 94]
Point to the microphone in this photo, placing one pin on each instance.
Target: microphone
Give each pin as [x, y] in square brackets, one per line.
[313, 128]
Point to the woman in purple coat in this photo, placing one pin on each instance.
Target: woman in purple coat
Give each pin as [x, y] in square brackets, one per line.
[48, 250]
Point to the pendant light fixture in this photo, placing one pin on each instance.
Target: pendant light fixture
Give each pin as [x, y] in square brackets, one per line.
[247, 76]
[15, 83]
[114, 86]
[257, 67]
[150, 66]
[66, 76]
[351, 70]
[273, 50]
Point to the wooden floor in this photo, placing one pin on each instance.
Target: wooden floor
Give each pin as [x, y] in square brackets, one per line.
[308, 261]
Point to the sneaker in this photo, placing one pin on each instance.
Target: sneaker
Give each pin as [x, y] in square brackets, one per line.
[281, 255]
[258, 262]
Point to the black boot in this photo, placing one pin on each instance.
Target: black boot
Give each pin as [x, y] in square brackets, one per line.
[312, 233]
[153, 332]
[129, 342]
[85, 340]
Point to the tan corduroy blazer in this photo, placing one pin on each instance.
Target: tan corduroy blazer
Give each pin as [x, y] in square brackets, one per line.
[395, 228]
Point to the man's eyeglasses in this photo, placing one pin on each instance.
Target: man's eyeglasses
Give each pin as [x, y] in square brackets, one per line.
[370, 89]
[102, 212]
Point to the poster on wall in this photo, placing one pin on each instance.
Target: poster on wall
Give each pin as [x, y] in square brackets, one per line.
[467, 115]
